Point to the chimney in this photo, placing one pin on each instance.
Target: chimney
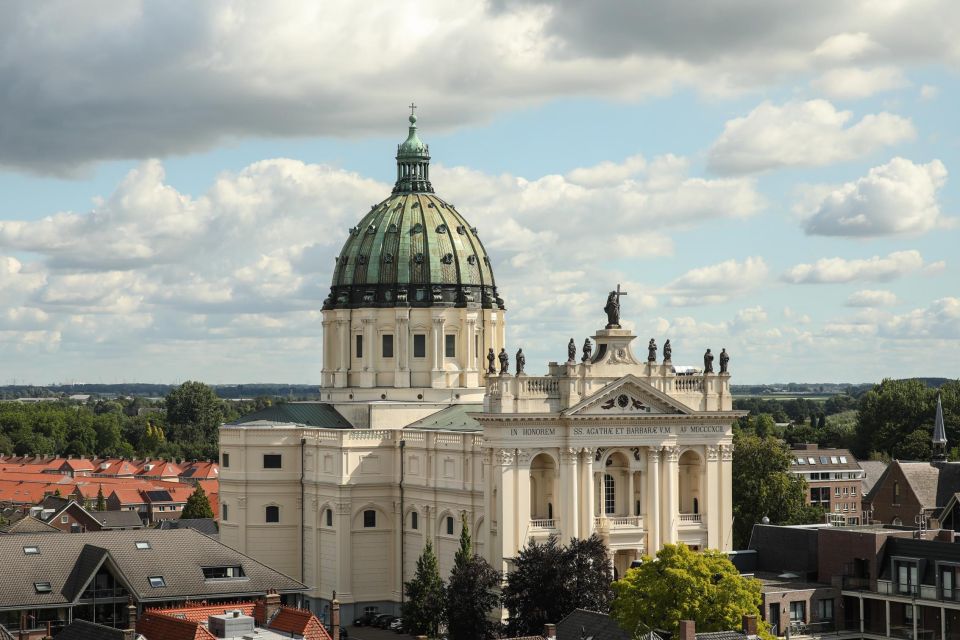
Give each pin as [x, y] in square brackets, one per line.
[550, 631]
[688, 630]
[271, 604]
[335, 617]
[749, 625]
[131, 614]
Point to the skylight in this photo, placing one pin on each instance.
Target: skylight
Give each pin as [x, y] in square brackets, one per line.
[142, 544]
[31, 551]
[42, 587]
[157, 581]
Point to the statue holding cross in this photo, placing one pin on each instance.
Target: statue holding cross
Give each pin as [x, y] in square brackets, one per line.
[613, 308]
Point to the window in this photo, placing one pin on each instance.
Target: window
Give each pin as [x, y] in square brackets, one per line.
[825, 609]
[450, 344]
[908, 613]
[836, 492]
[449, 525]
[905, 573]
[896, 492]
[833, 459]
[823, 460]
[948, 582]
[812, 460]
[846, 491]
[853, 491]
[223, 573]
[369, 519]
[843, 459]
[272, 513]
[225, 462]
[359, 346]
[223, 512]
[414, 520]
[387, 340]
[64, 519]
[142, 544]
[157, 581]
[42, 587]
[609, 494]
[31, 551]
[419, 345]
[801, 461]
[272, 461]
[798, 611]
[329, 517]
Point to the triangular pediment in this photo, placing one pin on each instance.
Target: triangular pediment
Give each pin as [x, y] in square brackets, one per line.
[628, 396]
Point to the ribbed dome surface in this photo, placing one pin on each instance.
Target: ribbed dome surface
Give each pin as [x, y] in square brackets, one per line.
[413, 249]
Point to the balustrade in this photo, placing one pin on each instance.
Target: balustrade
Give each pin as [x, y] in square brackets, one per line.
[691, 518]
[545, 387]
[688, 383]
[543, 523]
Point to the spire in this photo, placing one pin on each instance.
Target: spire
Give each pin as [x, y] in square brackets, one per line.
[939, 435]
[413, 161]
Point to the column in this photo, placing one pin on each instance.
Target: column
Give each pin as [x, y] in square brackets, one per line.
[343, 340]
[397, 544]
[471, 376]
[368, 377]
[568, 493]
[401, 356]
[586, 493]
[344, 582]
[652, 513]
[437, 380]
[861, 613]
[713, 495]
[329, 354]
[726, 501]
[670, 506]
[886, 604]
[630, 494]
[598, 494]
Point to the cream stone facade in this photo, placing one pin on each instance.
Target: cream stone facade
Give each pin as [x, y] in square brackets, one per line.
[415, 430]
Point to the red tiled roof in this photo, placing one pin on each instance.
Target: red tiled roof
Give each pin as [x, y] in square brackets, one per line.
[201, 470]
[154, 626]
[128, 496]
[200, 612]
[300, 622]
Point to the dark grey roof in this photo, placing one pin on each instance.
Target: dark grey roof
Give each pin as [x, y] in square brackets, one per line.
[25, 523]
[84, 630]
[118, 519]
[178, 555]
[453, 418]
[310, 414]
[159, 495]
[206, 526]
[580, 624]
[780, 548]
[934, 486]
[872, 470]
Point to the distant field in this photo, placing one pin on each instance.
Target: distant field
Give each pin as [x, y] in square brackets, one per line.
[785, 396]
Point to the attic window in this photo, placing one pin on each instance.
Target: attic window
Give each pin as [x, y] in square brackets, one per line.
[223, 573]
[31, 551]
[843, 459]
[42, 587]
[157, 581]
[142, 544]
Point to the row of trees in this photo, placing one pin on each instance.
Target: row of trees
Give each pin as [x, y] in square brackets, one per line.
[551, 580]
[183, 425]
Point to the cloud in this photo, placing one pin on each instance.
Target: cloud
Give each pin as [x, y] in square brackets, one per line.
[871, 298]
[941, 320]
[853, 82]
[896, 198]
[151, 272]
[929, 92]
[174, 78]
[839, 270]
[797, 134]
[717, 283]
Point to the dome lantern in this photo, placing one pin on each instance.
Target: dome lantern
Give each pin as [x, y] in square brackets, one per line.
[413, 161]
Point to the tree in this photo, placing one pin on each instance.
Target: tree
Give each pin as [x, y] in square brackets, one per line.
[893, 411]
[550, 580]
[680, 584]
[424, 608]
[101, 501]
[471, 593]
[764, 486]
[194, 413]
[198, 505]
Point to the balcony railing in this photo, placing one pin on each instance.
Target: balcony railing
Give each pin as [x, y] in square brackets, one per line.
[543, 523]
[625, 522]
[691, 518]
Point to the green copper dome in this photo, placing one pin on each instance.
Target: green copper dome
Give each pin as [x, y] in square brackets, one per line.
[413, 249]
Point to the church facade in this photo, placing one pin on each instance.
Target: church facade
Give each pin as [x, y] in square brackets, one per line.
[421, 423]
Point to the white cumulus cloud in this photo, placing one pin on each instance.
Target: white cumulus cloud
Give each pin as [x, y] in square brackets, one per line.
[854, 82]
[838, 270]
[896, 198]
[871, 298]
[717, 283]
[797, 134]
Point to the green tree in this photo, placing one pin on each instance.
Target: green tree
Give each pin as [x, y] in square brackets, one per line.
[550, 580]
[194, 413]
[198, 505]
[424, 608]
[763, 486]
[680, 584]
[890, 413]
[101, 501]
[471, 593]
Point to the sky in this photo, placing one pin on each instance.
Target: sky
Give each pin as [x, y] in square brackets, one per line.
[773, 178]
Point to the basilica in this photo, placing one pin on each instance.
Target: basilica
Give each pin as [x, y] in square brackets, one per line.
[421, 424]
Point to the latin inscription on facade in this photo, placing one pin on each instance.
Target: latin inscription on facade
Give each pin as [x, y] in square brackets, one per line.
[658, 430]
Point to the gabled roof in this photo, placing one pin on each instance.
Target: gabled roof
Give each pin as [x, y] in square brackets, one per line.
[300, 622]
[206, 526]
[117, 519]
[933, 485]
[154, 626]
[158, 496]
[310, 414]
[453, 418]
[581, 624]
[648, 396]
[28, 524]
[66, 561]
[129, 496]
[85, 630]
[872, 471]
[201, 470]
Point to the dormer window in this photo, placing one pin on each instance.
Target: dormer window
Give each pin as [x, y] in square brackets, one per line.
[42, 587]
